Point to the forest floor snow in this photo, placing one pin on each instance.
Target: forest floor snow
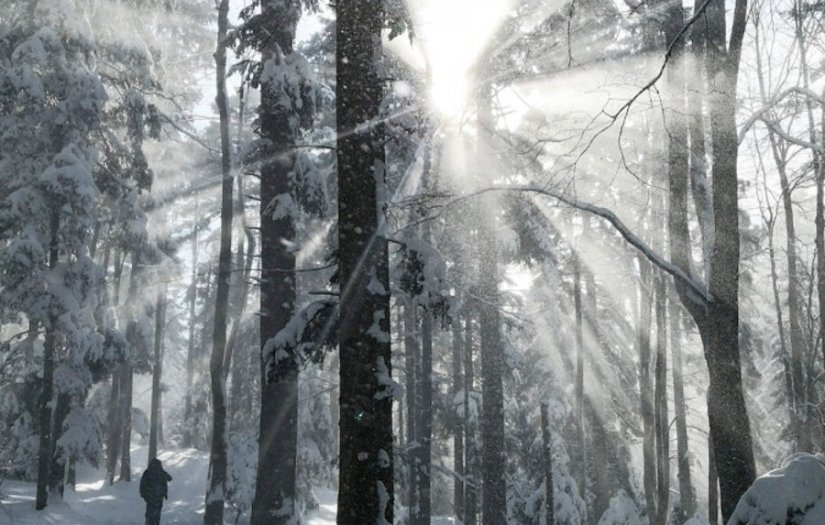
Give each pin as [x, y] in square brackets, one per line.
[96, 503]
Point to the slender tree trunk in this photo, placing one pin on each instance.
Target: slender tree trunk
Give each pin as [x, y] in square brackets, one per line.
[57, 477]
[687, 497]
[411, 359]
[646, 391]
[458, 429]
[661, 418]
[114, 422]
[188, 440]
[218, 454]
[154, 416]
[126, 422]
[580, 446]
[470, 431]
[425, 422]
[547, 458]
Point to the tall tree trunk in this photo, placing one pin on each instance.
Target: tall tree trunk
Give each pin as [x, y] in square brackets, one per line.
[547, 459]
[411, 359]
[470, 430]
[366, 471]
[580, 446]
[126, 422]
[157, 369]
[713, 485]
[57, 476]
[114, 419]
[727, 411]
[717, 317]
[213, 514]
[458, 429]
[190, 343]
[661, 419]
[425, 422]
[646, 390]
[276, 488]
[687, 497]
[493, 486]
[47, 390]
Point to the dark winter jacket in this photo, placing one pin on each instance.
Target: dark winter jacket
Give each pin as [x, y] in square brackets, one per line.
[153, 486]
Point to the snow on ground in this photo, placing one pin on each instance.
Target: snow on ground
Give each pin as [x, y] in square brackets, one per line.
[97, 503]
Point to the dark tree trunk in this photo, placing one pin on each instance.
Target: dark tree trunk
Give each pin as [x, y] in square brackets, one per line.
[47, 391]
[547, 459]
[126, 422]
[727, 411]
[458, 429]
[366, 471]
[646, 390]
[276, 488]
[213, 514]
[493, 486]
[57, 477]
[115, 423]
[580, 462]
[687, 497]
[713, 485]
[661, 419]
[411, 359]
[470, 431]
[717, 317]
[157, 370]
[425, 422]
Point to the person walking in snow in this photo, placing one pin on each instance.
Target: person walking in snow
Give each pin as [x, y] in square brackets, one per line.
[153, 490]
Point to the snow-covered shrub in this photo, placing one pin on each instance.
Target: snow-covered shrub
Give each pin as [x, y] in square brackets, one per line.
[791, 495]
[622, 511]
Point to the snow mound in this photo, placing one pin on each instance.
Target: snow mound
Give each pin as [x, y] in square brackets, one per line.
[622, 511]
[791, 495]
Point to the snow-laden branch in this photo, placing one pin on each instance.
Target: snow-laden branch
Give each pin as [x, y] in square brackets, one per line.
[634, 240]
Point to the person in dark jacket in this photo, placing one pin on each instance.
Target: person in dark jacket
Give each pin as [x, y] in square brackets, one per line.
[153, 490]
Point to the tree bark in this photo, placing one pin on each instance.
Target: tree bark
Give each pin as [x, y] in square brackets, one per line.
[646, 391]
[47, 391]
[661, 418]
[547, 458]
[213, 514]
[276, 488]
[458, 429]
[115, 422]
[366, 469]
[717, 319]
[470, 430]
[154, 416]
[411, 359]
[493, 486]
[687, 497]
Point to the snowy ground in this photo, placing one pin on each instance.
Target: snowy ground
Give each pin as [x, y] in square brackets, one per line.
[97, 503]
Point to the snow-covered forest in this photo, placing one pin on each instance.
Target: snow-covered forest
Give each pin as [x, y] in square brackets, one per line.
[377, 262]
